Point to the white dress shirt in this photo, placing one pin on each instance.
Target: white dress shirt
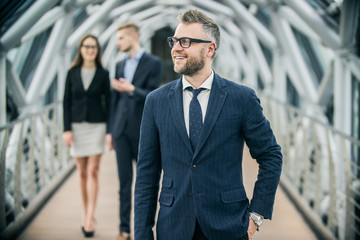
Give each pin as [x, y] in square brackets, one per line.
[131, 65]
[203, 97]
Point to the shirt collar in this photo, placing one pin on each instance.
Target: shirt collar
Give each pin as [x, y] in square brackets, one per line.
[138, 55]
[207, 84]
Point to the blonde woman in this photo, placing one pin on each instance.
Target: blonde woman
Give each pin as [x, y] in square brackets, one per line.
[86, 104]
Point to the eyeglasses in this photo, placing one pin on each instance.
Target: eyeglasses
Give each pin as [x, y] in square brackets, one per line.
[87, 47]
[185, 42]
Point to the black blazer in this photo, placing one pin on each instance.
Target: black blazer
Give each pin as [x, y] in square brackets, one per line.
[126, 109]
[91, 105]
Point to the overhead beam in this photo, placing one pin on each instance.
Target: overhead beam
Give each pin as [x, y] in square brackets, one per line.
[246, 18]
[297, 22]
[215, 7]
[12, 37]
[128, 7]
[46, 21]
[314, 20]
[89, 23]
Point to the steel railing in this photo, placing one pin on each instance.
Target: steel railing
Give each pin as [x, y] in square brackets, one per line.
[33, 163]
[320, 170]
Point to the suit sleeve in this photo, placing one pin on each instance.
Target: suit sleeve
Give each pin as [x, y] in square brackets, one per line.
[67, 103]
[114, 97]
[148, 171]
[264, 148]
[153, 81]
[107, 99]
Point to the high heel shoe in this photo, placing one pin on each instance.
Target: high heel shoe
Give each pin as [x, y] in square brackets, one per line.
[86, 233]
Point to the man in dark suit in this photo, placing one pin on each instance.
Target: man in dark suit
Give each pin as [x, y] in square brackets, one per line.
[197, 144]
[135, 77]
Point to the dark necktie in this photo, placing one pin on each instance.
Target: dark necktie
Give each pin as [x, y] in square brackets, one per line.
[195, 117]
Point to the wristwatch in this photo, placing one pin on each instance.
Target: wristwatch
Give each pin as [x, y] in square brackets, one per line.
[258, 219]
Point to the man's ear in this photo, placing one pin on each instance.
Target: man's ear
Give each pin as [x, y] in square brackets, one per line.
[135, 36]
[211, 49]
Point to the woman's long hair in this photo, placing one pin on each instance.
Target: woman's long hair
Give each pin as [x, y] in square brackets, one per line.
[79, 60]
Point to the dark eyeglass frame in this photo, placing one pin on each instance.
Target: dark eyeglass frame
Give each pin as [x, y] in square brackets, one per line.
[191, 40]
[89, 47]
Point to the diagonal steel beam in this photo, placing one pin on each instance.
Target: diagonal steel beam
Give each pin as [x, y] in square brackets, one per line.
[314, 20]
[13, 36]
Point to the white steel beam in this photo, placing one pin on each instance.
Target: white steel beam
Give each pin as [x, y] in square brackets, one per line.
[296, 21]
[342, 96]
[279, 76]
[111, 30]
[43, 77]
[128, 7]
[83, 3]
[13, 36]
[47, 20]
[61, 75]
[215, 7]
[262, 66]
[2, 89]
[287, 40]
[137, 17]
[226, 63]
[91, 22]
[248, 19]
[326, 87]
[314, 20]
[20, 57]
[14, 85]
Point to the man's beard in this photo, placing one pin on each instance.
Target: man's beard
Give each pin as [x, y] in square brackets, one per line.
[192, 66]
[126, 49]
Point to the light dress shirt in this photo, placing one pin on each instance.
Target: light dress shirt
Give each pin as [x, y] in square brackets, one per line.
[131, 65]
[203, 98]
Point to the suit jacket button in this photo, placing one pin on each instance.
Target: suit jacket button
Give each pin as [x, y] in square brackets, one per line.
[190, 195]
[193, 167]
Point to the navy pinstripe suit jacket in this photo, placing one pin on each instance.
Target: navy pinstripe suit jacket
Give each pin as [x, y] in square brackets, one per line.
[206, 183]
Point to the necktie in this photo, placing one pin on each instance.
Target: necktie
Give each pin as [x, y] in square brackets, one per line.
[195, 117]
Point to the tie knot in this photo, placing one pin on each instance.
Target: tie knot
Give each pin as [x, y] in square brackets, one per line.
[195, 91]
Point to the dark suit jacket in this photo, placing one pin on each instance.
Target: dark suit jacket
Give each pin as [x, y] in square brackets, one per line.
[206, 183]
[126, 109]
[91, 105]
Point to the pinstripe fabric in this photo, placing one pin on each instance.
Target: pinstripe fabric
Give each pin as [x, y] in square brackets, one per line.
[204, 184]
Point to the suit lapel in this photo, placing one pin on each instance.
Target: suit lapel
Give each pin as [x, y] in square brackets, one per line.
[78, 78]
[216, 102]
[139, 70]
[94, 79]
[177, 111]
[120, 69]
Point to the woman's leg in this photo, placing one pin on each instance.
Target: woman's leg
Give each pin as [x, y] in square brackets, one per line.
[93, 167]
[81, 164]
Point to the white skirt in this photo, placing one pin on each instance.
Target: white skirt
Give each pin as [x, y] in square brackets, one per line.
[89, 139]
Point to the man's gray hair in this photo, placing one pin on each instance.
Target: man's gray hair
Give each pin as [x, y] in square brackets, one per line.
[209, 26]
